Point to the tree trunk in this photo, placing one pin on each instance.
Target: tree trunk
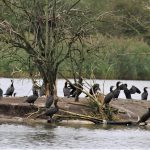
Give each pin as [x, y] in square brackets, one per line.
[50, 83]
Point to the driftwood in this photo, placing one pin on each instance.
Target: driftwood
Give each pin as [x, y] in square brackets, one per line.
[37, 113]
[65, 115]
[71, 115]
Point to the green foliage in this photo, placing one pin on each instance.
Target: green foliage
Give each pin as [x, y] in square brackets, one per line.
[116, 58]
[119, 49]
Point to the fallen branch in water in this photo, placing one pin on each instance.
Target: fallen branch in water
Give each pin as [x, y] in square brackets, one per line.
[39, 111]
[71, 115]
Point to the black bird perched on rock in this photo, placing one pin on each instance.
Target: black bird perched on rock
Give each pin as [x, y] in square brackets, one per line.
[49, 101]
[144, 94]
[109, 96]
[72, 89]
[66, 90]
[144, 117]
[51, 111]
[94, 89]
[78, 89]
[31, 99]
[116, 92]
[134, 90]
[126, 91]
[130, 91]
[10, 90]
[1, 93]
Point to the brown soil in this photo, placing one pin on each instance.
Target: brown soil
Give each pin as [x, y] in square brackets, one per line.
[128, 109]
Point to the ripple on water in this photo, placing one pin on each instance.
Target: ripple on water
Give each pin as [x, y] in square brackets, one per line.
[61, 137]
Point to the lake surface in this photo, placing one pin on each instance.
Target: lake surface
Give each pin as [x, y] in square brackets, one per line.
[23, 86]
[40, 137]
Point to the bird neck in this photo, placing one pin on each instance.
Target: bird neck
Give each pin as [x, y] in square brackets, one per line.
[65, 85]
[145, 90]
[111, 90]
[117, 85]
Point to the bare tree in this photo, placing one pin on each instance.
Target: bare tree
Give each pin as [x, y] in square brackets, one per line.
[49, 31]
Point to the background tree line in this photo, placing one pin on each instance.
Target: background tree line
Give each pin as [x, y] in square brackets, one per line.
[117, 48]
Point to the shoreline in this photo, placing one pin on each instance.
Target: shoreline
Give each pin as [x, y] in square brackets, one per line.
[15, 110]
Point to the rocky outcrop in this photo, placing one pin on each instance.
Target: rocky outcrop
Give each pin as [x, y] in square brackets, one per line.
[128, 110]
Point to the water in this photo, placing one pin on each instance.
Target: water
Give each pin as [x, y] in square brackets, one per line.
[40, 137]
[23, 86]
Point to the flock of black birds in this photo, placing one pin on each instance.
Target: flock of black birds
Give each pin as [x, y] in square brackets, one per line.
[70, 89]
[50, 111]
[73, 90]
[114, 94]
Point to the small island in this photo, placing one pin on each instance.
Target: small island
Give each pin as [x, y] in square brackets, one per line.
[15, 110]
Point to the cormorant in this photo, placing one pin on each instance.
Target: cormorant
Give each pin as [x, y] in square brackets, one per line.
[10, 90]
[144, 94]
[31, 99]
[134, 90]
[49, 101]
[1, 93]
[116, 92]
[109, 96]
[66, 90]
[126, 91]
[130, 91]
[94, 89]
[51, 111]
[72, 89]
[75, 92]
[79, 89]
[144, 117]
